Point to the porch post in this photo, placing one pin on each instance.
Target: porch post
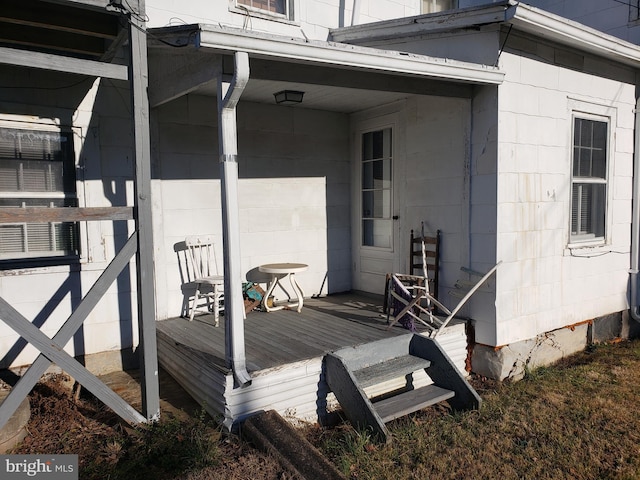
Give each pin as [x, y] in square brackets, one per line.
[138, 74]
[228, 96]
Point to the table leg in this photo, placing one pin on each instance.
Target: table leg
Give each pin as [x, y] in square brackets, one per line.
[298, 290]
[265, 299]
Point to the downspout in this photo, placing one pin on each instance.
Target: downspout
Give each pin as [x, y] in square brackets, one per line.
[228, 96]
[635, 219]
[355, 14]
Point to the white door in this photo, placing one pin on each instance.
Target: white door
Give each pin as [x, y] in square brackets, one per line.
[375, 226]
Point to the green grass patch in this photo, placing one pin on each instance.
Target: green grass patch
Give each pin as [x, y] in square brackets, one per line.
[575, 420]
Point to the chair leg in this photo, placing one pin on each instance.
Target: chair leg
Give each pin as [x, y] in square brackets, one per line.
[195, 303]
[216, 306]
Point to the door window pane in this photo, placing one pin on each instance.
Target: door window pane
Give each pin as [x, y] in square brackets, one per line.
[377, 163]
[377, 233]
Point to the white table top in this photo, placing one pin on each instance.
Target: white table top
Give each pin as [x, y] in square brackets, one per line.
[283, 268]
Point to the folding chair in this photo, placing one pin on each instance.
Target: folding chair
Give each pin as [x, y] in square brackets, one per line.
[408, 298]
[209, 285]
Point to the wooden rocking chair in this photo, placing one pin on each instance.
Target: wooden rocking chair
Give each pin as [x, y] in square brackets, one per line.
[409, 298]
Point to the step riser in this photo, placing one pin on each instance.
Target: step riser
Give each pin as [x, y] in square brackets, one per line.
[390, 370]
[372, 353]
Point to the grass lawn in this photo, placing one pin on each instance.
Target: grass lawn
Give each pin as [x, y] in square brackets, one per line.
[575, 420]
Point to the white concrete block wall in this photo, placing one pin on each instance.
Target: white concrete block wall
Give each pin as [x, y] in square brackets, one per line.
[544, 285]
[314, 17]
[294, 169]
[481, 242]
[433, 180]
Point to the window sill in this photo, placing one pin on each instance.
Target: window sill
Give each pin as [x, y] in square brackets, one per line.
[593, 248]
[39, 265]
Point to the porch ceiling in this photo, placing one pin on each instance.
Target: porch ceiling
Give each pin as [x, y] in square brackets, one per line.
[320, 97]
[334, 77]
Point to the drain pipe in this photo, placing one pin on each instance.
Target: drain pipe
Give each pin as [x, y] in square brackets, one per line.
[634, 308]
[355, 14]
[228, 96]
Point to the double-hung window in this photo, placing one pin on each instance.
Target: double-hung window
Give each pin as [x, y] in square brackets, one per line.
[589, 179]
[434, 6]
[271, 7]
[37, 169]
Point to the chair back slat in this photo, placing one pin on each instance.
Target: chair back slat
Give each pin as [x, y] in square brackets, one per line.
[424, 257]
[202, 255]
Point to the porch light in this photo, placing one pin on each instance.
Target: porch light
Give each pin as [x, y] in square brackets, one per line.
[288, 97]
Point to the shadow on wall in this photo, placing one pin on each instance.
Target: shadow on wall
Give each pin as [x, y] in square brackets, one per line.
[37, 100]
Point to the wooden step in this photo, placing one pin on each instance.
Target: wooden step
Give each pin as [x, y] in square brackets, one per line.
[390, 369]
[411, 401]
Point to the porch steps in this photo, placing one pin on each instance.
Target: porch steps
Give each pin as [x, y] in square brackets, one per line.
[351, 370]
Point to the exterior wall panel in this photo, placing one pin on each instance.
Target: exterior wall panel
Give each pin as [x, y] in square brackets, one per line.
[544, 285]
[293, 192]
[103, 150]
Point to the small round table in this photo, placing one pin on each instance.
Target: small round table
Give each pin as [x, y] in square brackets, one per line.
[278, 271]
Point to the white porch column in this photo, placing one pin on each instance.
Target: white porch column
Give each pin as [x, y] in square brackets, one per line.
[228, 96]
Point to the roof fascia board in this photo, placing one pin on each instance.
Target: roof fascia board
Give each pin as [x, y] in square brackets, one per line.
[59, 63]
[523, 17]
[423, 24]
[345, 56]
[567, 32]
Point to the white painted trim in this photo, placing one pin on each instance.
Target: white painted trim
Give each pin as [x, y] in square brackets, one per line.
[359, 127]
[603, 113]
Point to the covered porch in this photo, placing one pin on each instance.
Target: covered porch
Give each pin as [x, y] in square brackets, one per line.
[276, 183]
[284, 355]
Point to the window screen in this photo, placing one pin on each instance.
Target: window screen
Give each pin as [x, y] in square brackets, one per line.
[273, 6]
[36, 170]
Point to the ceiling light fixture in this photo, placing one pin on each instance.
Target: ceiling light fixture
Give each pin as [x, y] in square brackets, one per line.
[288, 97]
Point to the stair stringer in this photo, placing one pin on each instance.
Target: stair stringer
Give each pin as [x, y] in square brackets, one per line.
[355, 404]
[444, 373]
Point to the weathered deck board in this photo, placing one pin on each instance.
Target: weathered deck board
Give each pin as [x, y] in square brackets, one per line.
[284, 354]
[286, 336]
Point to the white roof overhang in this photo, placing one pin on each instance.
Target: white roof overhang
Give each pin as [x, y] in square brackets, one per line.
[336, 76]
[576, 35]
[341, 55]
[523, 17]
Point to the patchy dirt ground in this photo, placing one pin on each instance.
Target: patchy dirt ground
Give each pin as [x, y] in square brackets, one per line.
[108, 448]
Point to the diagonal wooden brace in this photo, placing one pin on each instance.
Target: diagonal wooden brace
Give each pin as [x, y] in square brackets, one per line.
[22, 388]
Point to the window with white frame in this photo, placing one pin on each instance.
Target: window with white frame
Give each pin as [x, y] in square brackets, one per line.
[434, 6]
[37, 169]
[274, 7]
[589, 178]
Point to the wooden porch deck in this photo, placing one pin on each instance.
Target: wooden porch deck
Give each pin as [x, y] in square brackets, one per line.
[284, 353]
[286, 336]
